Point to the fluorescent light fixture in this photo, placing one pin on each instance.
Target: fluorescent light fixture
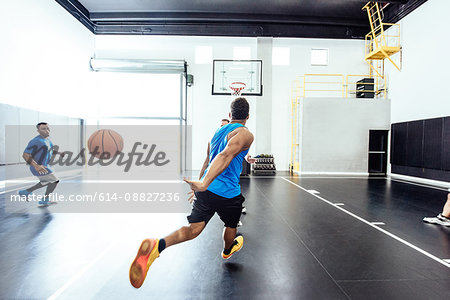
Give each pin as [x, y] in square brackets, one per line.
[281, 56]
[203, 55]
[137, 65]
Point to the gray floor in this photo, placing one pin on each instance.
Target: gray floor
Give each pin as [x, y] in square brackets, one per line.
[297, 246]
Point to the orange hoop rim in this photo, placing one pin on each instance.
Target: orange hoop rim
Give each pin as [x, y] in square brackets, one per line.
[237, 89]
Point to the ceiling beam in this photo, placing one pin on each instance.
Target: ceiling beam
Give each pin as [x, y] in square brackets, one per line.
[79, 12]
[232, 24]
[160, 17]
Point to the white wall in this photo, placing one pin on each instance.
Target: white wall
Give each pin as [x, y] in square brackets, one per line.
[345, 57]
[335, 133]
[420, 90]
[205, 110]
[44, 56]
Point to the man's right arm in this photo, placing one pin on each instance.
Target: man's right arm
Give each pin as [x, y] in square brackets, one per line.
[205, 164]
[29, 159]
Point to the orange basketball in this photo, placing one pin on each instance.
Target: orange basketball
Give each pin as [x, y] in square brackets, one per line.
[105, 143]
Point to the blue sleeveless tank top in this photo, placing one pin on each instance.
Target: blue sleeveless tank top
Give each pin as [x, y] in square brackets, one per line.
[227, 183]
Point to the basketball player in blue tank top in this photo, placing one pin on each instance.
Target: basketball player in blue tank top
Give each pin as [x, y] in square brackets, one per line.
[217, 191]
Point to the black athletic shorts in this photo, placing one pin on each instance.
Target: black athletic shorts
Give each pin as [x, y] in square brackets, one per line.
[208, 203]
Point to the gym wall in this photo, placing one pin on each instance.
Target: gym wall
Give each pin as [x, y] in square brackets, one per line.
[334, 134]
[421, 148]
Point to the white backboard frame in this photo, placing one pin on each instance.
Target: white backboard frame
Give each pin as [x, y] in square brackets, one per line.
[227, 71]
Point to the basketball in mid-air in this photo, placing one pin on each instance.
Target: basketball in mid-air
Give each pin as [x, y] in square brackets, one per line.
[105, 143]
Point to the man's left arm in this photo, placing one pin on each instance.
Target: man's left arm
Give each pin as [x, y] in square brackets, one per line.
[250, 159]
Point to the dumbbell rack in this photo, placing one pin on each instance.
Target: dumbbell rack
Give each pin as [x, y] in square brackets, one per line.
[264, 165]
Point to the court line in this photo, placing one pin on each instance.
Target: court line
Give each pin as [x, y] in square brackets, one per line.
[373, 226]
[317, 177]
[19, 187]
[378, 223]
[313, 192]
[79, 274]
[33, 178]
[131, 181]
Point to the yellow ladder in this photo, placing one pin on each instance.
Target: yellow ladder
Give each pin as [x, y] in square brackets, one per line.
[379, 45]
[376, 25]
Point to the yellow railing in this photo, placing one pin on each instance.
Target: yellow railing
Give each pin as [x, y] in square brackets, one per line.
[311, 84]
[335, 85]
[385, 38]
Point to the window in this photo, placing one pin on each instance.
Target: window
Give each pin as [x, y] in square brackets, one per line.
[134, 95]
[319, 57]
[241, 53]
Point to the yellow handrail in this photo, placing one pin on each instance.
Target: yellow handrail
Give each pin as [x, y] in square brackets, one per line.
[337, 88]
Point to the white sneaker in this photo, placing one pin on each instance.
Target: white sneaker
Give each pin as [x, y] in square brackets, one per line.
[244, 210]
[240, 224]
[439, 219]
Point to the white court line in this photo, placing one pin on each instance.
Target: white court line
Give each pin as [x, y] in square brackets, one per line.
[313, 192]
[339, 204]
[329, 177]
[447, 260]
[79, 274]
[19, 187]
[33, 178]
[131, 181]
[442, 262]
[377, 223]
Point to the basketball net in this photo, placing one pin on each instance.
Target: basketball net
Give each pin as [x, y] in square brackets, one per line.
[236, 88]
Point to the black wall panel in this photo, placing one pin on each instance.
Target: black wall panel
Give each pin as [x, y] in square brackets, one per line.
[398, 144]
[432, 144]
[377, 140]
[414, 144]
[421, 148]
[446, 145]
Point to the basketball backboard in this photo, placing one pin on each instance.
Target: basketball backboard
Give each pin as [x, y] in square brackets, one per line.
[226, 72]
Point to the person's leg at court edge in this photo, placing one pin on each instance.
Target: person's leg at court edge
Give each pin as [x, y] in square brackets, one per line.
[444, 217]
[208, 195]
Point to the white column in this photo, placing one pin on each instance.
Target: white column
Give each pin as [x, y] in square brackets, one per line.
[263, 116]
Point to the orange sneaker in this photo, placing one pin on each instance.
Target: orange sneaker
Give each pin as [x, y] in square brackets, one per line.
[236, 246]
[147, 253]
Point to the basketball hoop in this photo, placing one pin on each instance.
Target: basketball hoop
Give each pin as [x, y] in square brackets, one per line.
[237, 88]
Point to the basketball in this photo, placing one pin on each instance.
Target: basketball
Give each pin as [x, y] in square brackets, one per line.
[105, 143]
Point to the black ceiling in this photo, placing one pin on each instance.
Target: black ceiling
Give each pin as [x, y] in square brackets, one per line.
[341, 19]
